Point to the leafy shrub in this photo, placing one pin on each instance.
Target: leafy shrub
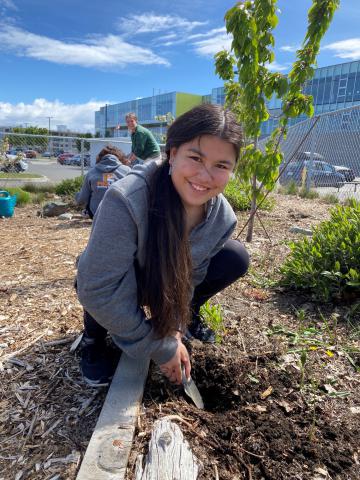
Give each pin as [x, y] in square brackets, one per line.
[328, 264]
[69, 186]
[22, 198]
[238, 195]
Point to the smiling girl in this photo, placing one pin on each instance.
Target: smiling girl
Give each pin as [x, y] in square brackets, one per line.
[161, 241]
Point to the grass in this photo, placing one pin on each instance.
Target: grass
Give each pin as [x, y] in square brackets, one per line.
[330, 198]
[39, 187]
[20, 175]
[22, 198]
[309, 194]
[289, 189]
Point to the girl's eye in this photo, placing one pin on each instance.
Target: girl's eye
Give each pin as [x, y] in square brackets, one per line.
[222, 166]
[196, 159]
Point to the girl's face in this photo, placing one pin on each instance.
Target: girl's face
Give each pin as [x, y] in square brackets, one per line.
[201, 169]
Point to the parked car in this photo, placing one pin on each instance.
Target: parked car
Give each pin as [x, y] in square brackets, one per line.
[76, 160]
[323, 174]
[347, 172]
[30, 154]
[47, 154]
[61, 158]
[15, 154]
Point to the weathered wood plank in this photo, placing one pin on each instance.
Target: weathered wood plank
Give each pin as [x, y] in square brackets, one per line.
[108, 451]
[169, 457]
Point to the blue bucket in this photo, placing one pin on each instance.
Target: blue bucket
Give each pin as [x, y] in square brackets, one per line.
[7, 204]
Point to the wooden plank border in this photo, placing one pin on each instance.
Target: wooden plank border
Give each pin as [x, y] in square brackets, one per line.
[107, 454]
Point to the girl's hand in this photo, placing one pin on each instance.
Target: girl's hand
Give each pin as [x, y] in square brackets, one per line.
[172, 368]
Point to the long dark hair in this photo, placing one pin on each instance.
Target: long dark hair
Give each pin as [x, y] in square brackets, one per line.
[166, 277]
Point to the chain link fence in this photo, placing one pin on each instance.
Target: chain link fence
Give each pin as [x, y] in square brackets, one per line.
[49, 158]
[323, 153]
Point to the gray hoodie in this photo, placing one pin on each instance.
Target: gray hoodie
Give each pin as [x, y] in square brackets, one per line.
[98, 180]
[106, 282]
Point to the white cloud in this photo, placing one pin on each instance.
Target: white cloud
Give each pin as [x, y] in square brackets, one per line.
[150, 22]
[8, 4]
[210, 33]
[98, 52]
[289, 48]
[218, 40]
[77, 117]
[277, 67]
[349, 49]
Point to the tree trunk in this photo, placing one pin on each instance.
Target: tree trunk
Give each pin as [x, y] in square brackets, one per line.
[250, 230]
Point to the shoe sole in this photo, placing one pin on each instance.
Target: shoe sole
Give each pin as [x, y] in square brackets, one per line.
[94, 383]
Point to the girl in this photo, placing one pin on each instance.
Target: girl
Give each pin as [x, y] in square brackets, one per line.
[160, 245]
[110, 166]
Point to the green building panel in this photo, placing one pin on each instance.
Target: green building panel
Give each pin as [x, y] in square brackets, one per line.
[186, 101]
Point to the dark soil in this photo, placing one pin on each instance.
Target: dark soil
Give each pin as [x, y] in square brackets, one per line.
[305, 427]
[283, 436]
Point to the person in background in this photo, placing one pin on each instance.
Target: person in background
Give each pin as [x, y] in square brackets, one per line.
[111, 165]
[144, 147]
[160, 247]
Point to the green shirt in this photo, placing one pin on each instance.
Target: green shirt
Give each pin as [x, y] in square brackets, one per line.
[144, 144]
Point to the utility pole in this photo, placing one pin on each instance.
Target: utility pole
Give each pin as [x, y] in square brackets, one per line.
[105, 119]
[49, 146]
[49, 118]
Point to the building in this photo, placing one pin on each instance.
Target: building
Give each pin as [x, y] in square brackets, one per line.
[334, 87]
[110, 119]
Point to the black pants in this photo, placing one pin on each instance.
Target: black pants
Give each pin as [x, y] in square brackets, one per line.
[229, 264]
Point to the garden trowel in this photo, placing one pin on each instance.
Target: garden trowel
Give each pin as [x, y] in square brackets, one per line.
[191, 390]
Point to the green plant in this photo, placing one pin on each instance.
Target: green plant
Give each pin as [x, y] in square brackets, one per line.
[239, 196]
[69, 186]
[38, 198]
[22, 198]
[328, 263]
[304, 342]
[212, 316]
[351, 201]
[21, 175]
[308, 193]
[330, 198]
[249, 82]
[39, 187]
[303, 359]
[289, 189]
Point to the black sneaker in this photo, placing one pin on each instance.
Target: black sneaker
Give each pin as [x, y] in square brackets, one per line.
[98, 362]
[197, 329]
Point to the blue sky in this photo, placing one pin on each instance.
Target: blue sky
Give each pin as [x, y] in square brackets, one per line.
[67, 58]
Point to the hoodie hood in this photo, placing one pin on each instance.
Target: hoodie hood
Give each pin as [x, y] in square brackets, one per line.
[108, 163]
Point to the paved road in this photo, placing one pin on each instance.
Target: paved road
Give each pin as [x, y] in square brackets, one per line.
[53, 170]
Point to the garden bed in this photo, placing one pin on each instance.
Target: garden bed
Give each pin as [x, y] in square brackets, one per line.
[267, 413]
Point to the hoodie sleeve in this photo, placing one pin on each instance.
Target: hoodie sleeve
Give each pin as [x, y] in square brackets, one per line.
[200, 272]
[83, 197]
[107, 285]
